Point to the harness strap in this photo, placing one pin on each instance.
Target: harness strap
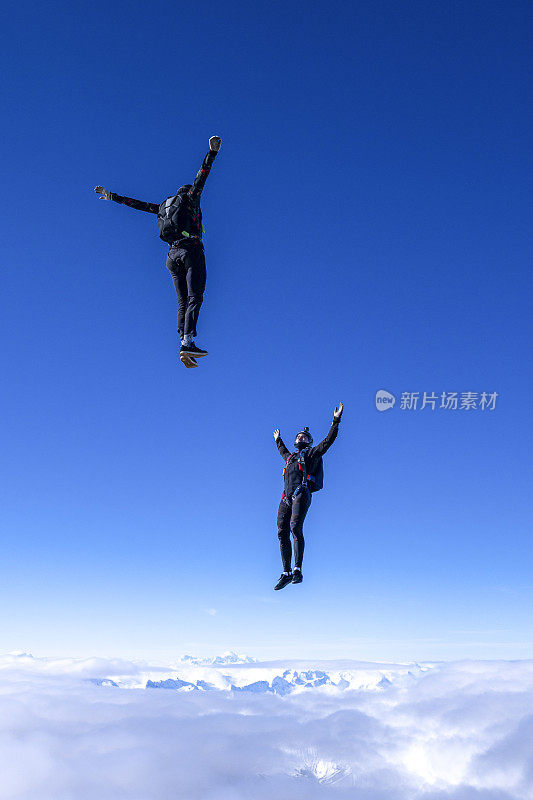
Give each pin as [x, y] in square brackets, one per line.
[186, 235]
[301, 465]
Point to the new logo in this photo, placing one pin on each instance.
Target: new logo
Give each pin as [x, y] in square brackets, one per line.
[384, 400]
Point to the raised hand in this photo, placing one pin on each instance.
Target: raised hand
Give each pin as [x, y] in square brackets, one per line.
[214, 143]
[104, 194]
[277, 434]
[337, 414]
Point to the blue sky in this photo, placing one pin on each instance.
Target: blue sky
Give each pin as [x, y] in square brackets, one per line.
[367, 227]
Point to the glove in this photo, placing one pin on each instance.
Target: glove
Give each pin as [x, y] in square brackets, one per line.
[214, 143]
[277, 434]
[337, 414]
[104, 194]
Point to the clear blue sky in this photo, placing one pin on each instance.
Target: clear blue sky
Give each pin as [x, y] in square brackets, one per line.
[368, 226]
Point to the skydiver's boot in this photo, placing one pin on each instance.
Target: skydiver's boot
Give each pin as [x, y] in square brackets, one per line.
[192, 350]
[188, 361]
[297, 576]
[286, 578]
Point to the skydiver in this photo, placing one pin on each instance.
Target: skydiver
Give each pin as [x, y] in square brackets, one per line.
[303, 475]
[179, 219]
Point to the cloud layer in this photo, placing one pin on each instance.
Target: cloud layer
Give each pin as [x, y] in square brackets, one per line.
[461, 731]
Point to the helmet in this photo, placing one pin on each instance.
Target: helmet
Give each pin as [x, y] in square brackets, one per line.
[184, 189]
[304, 442]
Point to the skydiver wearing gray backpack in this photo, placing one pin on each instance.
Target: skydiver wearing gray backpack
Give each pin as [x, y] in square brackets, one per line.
[179, 219]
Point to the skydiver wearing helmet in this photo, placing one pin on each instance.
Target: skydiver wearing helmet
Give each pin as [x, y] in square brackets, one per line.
[179, 219]
[303, 475]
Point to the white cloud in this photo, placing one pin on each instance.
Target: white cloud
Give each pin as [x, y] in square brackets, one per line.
[458, 731]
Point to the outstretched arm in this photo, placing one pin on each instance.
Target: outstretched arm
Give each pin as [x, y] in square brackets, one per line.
[140, 205]
[326, 443]
[205, 169]
[281, 445]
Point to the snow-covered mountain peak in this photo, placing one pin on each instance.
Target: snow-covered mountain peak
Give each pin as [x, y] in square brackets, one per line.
[229, 657]
[232, 673]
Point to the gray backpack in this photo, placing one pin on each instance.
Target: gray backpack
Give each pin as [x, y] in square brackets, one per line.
[173, 218]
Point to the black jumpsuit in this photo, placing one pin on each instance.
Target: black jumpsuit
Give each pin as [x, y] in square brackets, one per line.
[296, 498]
[186, 258]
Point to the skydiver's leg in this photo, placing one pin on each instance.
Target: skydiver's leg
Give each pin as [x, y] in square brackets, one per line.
[176, 264]
[196, 278]
[300, 507]
[283, 522]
